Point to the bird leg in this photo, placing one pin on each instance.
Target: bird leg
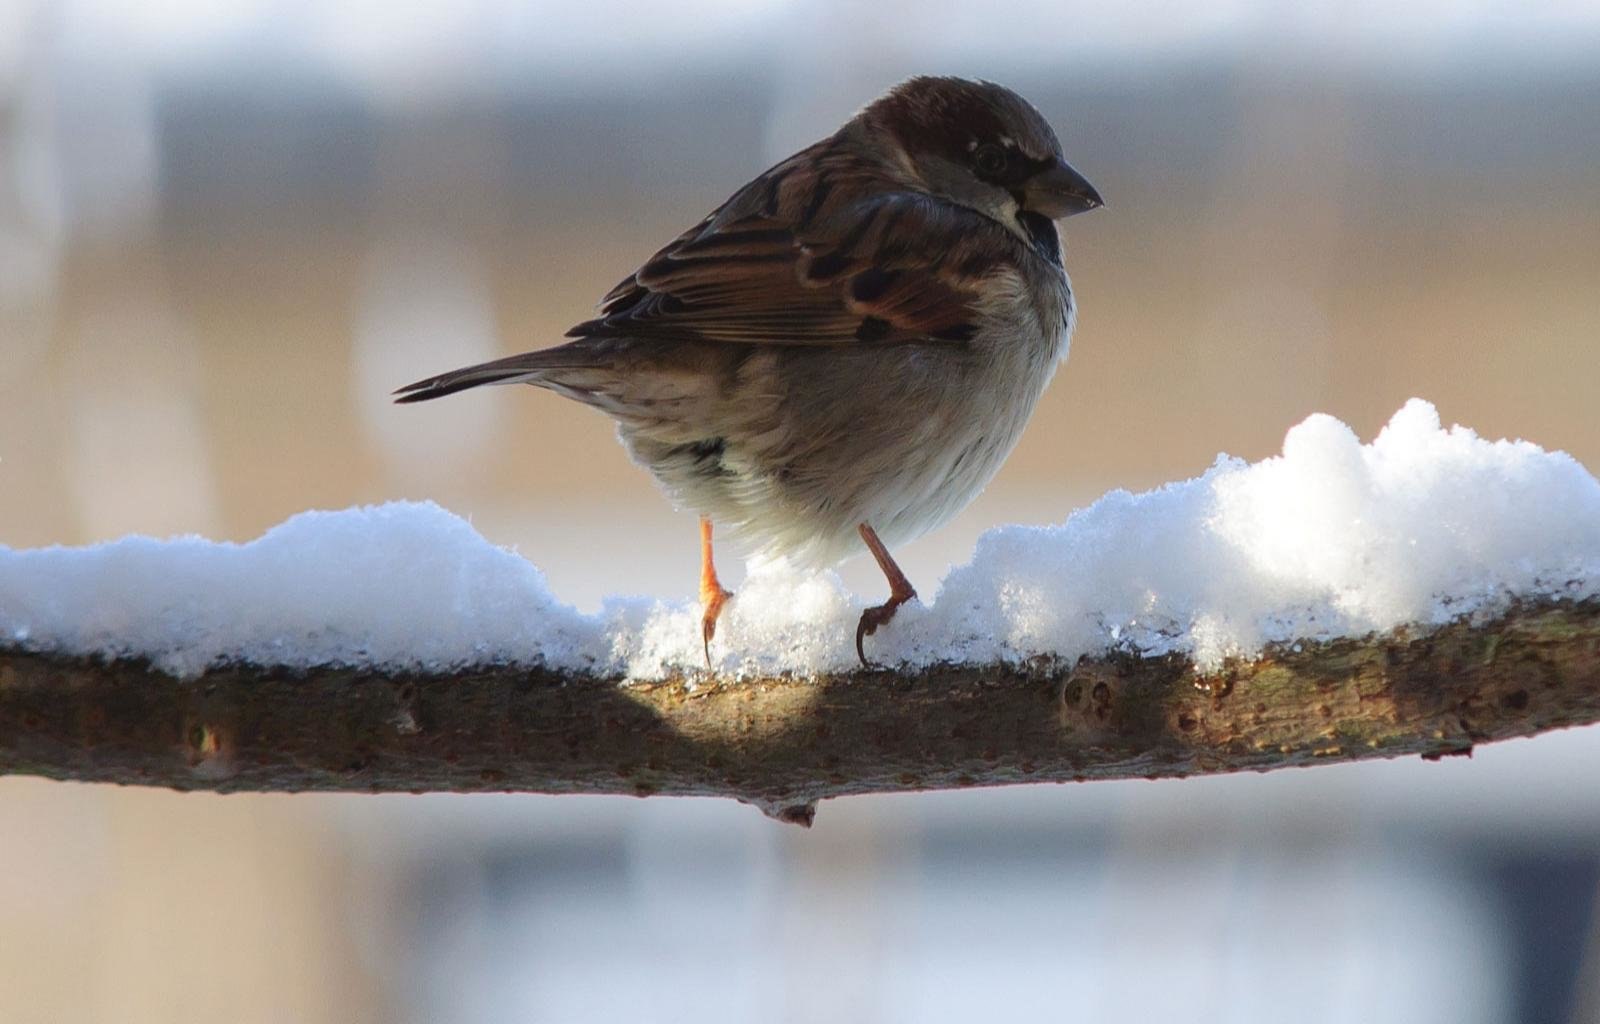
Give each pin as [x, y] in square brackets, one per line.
[712, 595]
[900, 591]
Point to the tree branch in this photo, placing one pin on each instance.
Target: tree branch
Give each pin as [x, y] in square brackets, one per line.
[785, 743]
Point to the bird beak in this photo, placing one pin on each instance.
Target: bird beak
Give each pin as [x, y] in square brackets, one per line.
[1059, 191]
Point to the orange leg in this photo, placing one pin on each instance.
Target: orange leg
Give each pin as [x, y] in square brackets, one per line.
[900, 591]
[712, 595]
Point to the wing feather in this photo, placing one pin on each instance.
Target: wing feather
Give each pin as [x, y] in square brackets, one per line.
[808, 254]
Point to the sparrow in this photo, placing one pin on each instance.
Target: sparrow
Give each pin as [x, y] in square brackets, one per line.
[849, 347]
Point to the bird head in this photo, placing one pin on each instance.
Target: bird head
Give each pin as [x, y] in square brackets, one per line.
[982, 146]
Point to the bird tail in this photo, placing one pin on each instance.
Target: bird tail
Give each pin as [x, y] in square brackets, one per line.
[527, 367]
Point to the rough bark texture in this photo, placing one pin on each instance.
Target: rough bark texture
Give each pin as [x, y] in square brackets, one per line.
[785, 743]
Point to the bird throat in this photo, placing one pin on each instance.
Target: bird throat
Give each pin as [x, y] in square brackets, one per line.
[1041, 231]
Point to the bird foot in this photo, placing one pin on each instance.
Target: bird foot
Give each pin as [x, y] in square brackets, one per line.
[872, 618]
[712, 601]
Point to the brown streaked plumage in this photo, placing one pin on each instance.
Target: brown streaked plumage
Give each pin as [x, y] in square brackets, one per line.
[846, 349]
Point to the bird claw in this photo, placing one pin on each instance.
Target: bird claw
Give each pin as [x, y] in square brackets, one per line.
[712, 605]
[872, 618]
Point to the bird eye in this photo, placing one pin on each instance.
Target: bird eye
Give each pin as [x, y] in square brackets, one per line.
[989, 159]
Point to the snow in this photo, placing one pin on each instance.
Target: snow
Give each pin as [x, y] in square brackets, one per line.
[1331, 538]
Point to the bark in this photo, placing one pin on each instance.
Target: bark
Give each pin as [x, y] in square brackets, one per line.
[783, 743]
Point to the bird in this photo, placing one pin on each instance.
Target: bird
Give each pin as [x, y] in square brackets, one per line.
[846, 350]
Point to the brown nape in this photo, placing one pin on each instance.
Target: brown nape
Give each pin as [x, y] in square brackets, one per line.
[712, 594]
[900, 591]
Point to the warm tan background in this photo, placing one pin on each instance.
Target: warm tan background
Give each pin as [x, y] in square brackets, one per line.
[227, 231]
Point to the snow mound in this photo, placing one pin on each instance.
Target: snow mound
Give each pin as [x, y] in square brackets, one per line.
[1331, 538]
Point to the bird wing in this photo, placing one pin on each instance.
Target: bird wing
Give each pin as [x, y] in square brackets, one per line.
[798, 257]
[816, 251]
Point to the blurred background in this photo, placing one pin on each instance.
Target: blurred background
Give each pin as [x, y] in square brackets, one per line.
[228, 228]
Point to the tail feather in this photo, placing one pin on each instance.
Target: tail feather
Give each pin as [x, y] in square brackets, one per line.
[530, 367]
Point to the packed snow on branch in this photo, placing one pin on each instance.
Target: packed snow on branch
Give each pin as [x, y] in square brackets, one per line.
[1331, 538]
